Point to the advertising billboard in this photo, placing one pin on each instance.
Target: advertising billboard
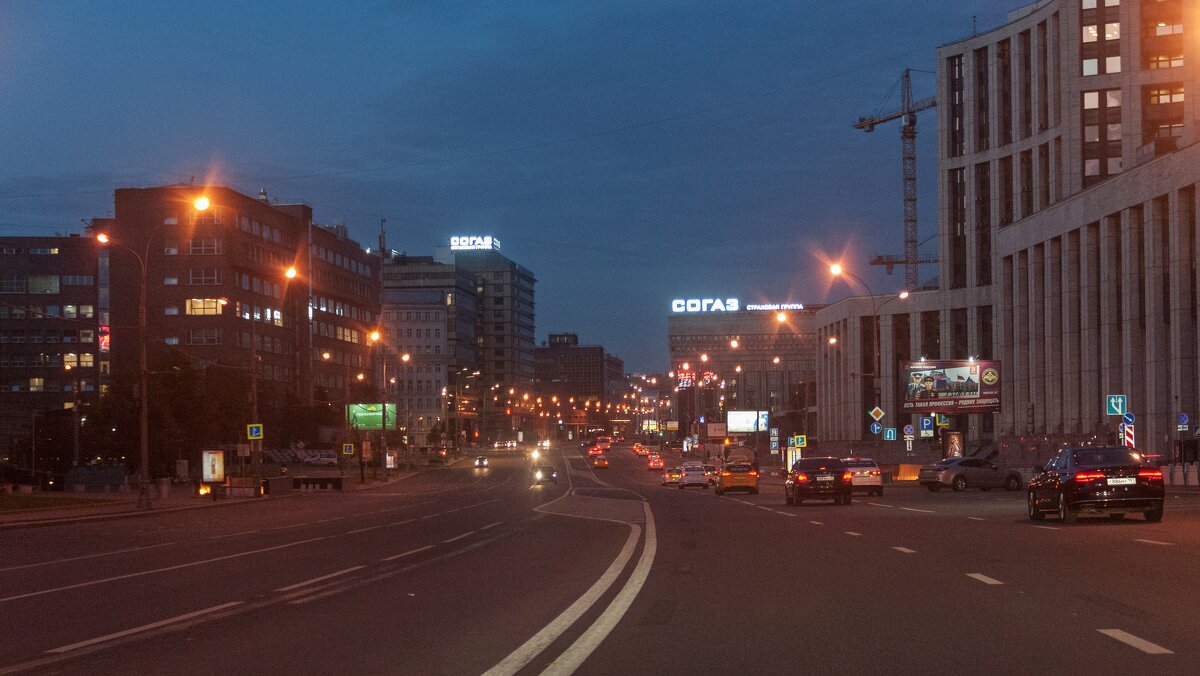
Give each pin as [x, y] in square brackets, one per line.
[716, 430]
[369, 417]
[212, 466]
[951, 386]
[746, 421]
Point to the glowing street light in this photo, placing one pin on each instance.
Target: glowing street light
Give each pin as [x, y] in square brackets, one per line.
[290, 273]
[201, 203]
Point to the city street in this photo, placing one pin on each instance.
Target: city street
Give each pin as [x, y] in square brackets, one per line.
[462, 570]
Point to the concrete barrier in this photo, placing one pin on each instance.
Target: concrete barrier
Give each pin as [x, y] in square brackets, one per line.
[1190, 477]
[1176, 475]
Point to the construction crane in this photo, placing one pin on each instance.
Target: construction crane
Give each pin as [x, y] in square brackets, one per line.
[908, 136]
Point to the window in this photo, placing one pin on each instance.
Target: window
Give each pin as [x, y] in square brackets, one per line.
[1157, 96]
[1091, 33]
[1088, 4]
[43, 283]
[1112, 64]
[171, 340]
[12, 283]
[87, 360]
[1114, 132]
[170, 281]
[1170, 130]
[1163, 61]
[205, 247]
[45, 251]
[1091, 67]
[86, 336]
[1091, 167]
[87, 311]
[206, 276]
[1164, 28]
[1112, 98]
[78, 280]
[1112, 31]
[37, 384]
[203, 306]
[1114, 165]
[170, 311]
[204, 337]
[1091, 100]
[170, 248]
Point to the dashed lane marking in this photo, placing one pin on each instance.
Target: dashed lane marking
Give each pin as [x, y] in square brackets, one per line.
[458, 537]
[144, 627]
[491, 525]
[762, 507]
[816, 523]
[1155, 542]
[914, 509]
[850, 532]
[879, 504]
[89, 556]
[319, 579]
[905, 550]
[975, 518]
[1139, 643]
[410, 552]
[780, 511]
[984, 578]
[1048, 527]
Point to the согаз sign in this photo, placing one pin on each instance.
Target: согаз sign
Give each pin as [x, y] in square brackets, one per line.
[474, 242]
[704, 305]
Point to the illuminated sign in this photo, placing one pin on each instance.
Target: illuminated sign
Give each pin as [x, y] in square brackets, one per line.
[704, 305]
[951, 386]
[746, 421]
[105, 338]
[775, 307]
[474, 243]
[212, 466]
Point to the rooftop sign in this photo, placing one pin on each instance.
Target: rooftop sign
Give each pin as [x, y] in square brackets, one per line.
[704, 305]
[775, 307]
[474, 243]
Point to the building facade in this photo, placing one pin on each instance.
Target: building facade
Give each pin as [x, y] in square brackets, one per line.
[576, 378]
[1067, 178]
[53, 345]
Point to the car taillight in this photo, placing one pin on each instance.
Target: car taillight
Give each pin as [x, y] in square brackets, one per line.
[753, 473]
[1151, 474]
[801, 478]
[1088, 476]
[726, 473]
[848, 476]
[874, 472]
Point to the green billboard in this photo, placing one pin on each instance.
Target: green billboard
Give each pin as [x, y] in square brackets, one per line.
[369, 417]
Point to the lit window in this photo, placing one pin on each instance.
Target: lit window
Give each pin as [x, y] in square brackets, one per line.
[70, 312]
[1091, 100]
[1164, 28]
[1166, 61]
[1160, 96]
[87, 360]
[1088, 4]
[203, 306]
[37, 384]
[1112, 31]
[1112, 98]
[170, 311]
[43, 284]
[170, 281]
[1091, 33]
[87, 311]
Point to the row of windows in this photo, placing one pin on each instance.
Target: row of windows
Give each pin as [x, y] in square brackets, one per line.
[66, 336]
[37, 251]
[1091, 4]
[261, 286]
[413, 316]
[39, 385]
[256, 229]
[341, 309]
[338, 332]
[43, 360]
[199, 276]
[343, 262]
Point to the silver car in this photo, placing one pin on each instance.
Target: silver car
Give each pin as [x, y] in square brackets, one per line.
[693, 475]
[962, 473]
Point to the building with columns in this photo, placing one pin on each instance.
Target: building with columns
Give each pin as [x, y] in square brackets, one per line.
[1067, 170]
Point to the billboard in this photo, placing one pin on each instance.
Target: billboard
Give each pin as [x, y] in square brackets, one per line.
[746, 421]
[212, 466]
[716, 430]
[369, 417]
[951, 386]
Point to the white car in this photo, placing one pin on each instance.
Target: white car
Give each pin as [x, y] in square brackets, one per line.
[867, 476]
[693, 475]
[321, 459]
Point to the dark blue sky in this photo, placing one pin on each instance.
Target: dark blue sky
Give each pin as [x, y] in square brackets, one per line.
[628, 153]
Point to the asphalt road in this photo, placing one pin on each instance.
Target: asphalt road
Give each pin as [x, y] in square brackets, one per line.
[461, 571]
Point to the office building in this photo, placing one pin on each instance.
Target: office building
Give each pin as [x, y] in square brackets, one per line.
[583, 382]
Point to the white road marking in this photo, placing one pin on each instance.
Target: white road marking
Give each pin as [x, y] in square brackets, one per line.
[850, 532]
[525, 654]
[232, 535]
[458, 537]
[430, 516]
[769, 509]
[905, 550]
[318, 579]
[984, 578]
[410, 552]
[914, 509]
[816, 523]
[401, 523]
[1155, 542]
[491, 525]
[144, 627]
[1048, 527]
[975, 518]
[780, 511]
[157, 570]
[585, 645]
[294, 525]
[1139, 643]
[879, 504]
[80, 558]
[361, 530]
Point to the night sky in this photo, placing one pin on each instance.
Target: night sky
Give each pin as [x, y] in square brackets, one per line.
[626, 152]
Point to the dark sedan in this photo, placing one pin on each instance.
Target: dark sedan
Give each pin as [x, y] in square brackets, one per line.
[1112, 481]
[820, 479]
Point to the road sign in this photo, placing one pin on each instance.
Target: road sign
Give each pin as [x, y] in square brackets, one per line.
[942, 420]
[926, 434]
[1129, 438]
[889, 434]
[909, 437]
[926, 424]
[908, 430]
[876, 428]
[1181, 428]
[1183, 419]
[347, 449]
[254, 431]
[801, 440]
[908, 445]
[876, 414]
[775, 445]
[1127, 418]
[1114, 404]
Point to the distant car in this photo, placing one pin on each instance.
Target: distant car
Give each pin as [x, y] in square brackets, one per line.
[439, 455]
[654, 462]
[544, 473]
[711, 472]
[594, 451]
[1097, 480]
[544, 443]
[737, 476]
[693, 475]
[600, 462]
[481, 461]
[867, 476]
[963, 472]
[671, 475]
[505, 444]
[604, 443]
[321, 459]
[640, 450]
[821, 479]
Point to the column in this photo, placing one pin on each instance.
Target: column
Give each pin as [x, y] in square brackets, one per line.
[1181, 235]
[1152, 427]
[1071, 354]
[1052, 367]
[1004, 331]
[1110, 284]
[1133, 343]
[1037, 342]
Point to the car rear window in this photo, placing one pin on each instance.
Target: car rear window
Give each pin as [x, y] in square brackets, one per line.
[818, 464]
[948, 461]
[1092, 457]
[860, 463]
[738, 469]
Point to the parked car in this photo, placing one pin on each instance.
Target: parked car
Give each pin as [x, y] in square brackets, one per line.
[821, 479]
[321, 459]
[963, 473]
[1097, 480]
[693, 475]
[867, 476]
[737, 476]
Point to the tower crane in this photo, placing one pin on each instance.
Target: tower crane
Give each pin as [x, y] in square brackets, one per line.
[908, 136]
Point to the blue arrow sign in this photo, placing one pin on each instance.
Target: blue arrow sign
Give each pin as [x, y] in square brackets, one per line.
[889, 434]
[1114, 404]
[1183, 419]
[1127, 418]
[926, 423]
[876, 428]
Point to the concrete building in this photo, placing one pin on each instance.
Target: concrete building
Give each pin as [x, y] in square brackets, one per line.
[504, 327]
[572, 374]
[428, 312]
[53, 344]
[1067, 174]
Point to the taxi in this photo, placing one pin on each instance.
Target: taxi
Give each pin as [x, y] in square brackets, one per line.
[654, 462]
[594, 451]
[737, 476]
[671, 475]
[599, 462]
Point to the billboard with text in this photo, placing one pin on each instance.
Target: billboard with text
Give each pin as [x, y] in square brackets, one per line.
[950, 386]
[746, 421]
[369, 417]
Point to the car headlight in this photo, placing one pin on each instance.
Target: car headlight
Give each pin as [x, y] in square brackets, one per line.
[535, 454]
[538, 475]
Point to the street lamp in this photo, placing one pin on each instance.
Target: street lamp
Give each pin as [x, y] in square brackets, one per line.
[876, 367]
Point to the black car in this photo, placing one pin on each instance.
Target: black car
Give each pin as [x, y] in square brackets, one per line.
[544, 473]
[1112, 481]
[820, 479]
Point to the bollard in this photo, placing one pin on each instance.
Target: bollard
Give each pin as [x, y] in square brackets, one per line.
[1189, 475]
[1176, 475]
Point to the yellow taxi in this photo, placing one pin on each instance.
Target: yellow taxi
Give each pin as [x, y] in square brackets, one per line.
[599, 462]
[737, 476]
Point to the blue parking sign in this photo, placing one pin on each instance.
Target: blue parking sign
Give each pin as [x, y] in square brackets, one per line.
[926, 423]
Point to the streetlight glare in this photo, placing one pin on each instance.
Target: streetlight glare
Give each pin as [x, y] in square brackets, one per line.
[201, 203]
[290, 273]
[405, 357]
[781, 317]
[835, 269]
[833, 340]
[325, 355]
[102, 238]
[374, 336]
[903, 294]
[704, 357]
[733, 343]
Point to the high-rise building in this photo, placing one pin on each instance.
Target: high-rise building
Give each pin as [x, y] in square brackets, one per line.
[504, 327]
[53, 346]
[584, 382]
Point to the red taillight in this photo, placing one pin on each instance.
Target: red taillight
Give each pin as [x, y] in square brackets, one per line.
[726, 473]
[848, 476]
[753, 473]
[801, 478]
[1151, 474]
[1088, 476]
[874, 472]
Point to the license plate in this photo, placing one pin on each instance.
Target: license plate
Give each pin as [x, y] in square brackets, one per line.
[1123, 481]
[824, 478]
